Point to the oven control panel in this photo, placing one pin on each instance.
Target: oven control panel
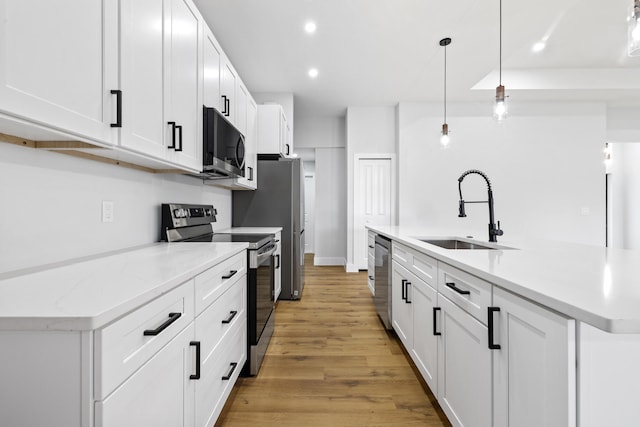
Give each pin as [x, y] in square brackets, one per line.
[176, 216]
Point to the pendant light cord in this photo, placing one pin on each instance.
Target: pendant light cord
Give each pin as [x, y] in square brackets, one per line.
[445, 84]
[500, 68]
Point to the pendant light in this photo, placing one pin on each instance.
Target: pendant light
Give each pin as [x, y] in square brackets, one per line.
[444, 138]
[500, 107]
[634, 29]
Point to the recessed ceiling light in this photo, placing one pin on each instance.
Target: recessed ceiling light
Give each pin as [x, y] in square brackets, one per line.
[310, 27]
[539, 47]
[313, 73]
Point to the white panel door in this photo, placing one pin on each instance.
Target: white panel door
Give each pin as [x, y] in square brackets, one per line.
[211, 71]
[309, 212]
[464, 368]
[534, 370]
[159, 394]
[53, 67]
[184, 105]
[141, 78]
[372, 202]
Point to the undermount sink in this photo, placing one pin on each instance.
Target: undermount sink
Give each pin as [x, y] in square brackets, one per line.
[461, 244]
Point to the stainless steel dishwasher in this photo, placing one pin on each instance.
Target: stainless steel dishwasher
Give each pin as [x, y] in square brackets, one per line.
[382, 276]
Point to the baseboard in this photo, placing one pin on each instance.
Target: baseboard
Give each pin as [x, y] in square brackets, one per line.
[328, 261]
[352, 268]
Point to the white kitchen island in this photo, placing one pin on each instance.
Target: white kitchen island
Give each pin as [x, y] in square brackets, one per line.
[541, 333]
[150, 336]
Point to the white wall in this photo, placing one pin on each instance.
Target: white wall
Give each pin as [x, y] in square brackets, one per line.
[545, 163]
[625, 195]
[326, 135]
[331, 209]
[317, 132]
[52, 203]
[370, 130]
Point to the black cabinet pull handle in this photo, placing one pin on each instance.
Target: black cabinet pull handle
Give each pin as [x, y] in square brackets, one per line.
[173, 134]
[172, 318]
[435, 318]
[233, 368]
[250, 173]
[118, 94]
[179, 127]
[196, 376]
[372, 247]
[287, 145]
[230, 318]
[277, 259]
[407, 300]
[224, 103]
[230, 275]
[371, 278]
[455, 288]
[490, 311]
[404, 289]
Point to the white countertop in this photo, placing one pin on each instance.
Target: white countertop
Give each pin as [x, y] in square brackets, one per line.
[596, 285]
[251, 230]
[89, 294]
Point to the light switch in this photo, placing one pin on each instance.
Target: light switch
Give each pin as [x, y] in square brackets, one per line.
[107, 211]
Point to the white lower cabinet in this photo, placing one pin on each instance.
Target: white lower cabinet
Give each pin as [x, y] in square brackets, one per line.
[491, 357]
[371, 262]
[413, 303]
[160, 393]
[534, 371]
[168, 363]
[277, 269]
[464, 367]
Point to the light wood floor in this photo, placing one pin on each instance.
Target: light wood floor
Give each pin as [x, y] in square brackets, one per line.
[331, 363]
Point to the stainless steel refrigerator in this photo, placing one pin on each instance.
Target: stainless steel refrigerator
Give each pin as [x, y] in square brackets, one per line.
[278, 202]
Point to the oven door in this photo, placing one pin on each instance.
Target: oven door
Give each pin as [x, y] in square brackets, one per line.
[260, 292]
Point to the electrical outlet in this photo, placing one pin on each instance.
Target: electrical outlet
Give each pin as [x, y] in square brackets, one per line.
[107, 211]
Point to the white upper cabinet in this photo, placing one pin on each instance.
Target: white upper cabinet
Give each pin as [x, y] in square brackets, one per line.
[160, 61]
[273, 131]
[141, 79]
[54, 67]
[211, 71]
[183, 104]
[228, 85]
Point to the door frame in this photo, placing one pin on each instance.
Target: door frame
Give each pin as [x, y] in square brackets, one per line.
[356, 183]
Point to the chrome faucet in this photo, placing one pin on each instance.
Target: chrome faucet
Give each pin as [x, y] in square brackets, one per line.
[494, 231]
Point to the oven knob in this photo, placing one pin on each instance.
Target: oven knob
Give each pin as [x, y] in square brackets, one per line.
[179, 213]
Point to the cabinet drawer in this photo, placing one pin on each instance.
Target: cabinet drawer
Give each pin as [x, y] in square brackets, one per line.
[211, 283]
[418, 263]
[221, 316]
[371, 242]
[468, 292]
[122, 347]
[219, 374]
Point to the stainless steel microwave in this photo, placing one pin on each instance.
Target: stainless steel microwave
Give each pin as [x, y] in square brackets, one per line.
[223, 146]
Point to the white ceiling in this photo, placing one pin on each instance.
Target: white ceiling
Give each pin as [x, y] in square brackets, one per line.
[380, 52]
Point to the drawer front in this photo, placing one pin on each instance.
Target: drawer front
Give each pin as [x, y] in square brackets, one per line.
[371, 242]
[122, 347]
[211, 283]
[217, 380]
[222, 316]
[423, 266]
[470, 293]
[401, 254]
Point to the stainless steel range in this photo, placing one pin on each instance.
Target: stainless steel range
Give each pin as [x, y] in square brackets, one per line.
[192, 223]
